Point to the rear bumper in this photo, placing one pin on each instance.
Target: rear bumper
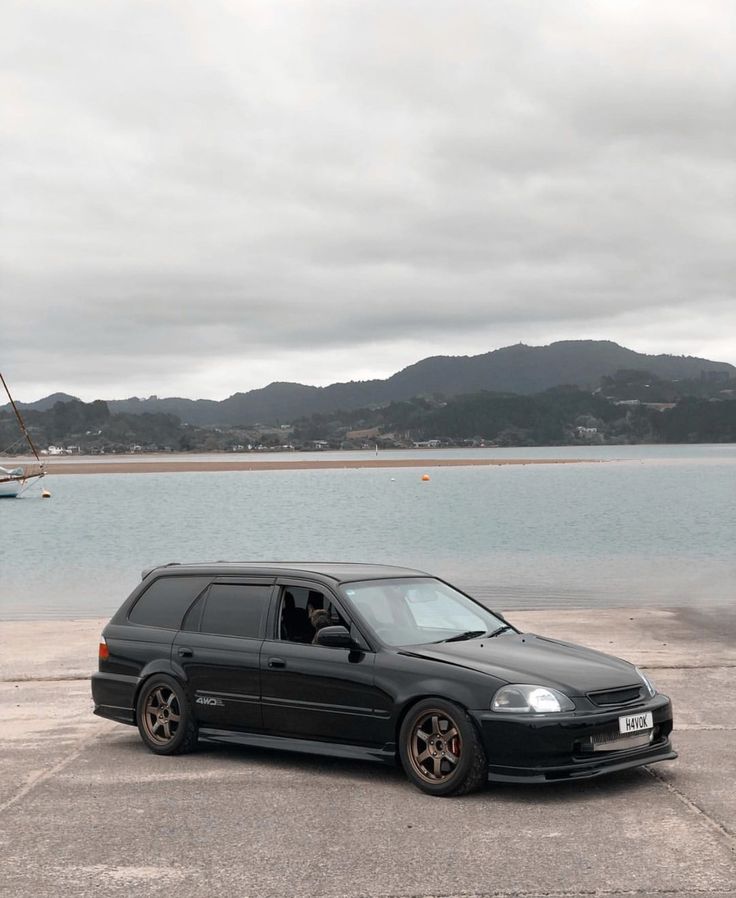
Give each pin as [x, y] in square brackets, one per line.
[114, 696]
[551, 747]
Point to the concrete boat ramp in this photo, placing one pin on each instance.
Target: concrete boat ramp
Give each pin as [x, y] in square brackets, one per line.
[85, 809]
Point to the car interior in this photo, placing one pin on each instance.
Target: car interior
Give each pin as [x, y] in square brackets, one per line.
[303, 612]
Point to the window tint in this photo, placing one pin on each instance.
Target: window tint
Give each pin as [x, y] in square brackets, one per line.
[164, 602]
[235, 609]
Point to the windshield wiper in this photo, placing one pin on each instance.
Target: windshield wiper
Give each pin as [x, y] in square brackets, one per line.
[499, 631]
[468, 634]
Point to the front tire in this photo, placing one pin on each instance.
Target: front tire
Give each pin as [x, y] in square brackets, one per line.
[165, 719]
[440, 749]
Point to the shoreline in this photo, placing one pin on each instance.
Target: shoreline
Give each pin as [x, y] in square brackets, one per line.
[184, 466]
[655, 638]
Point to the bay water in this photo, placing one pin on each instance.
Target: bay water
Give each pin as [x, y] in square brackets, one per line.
[638, 526]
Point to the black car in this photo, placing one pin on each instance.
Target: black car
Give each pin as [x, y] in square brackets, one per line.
[372, 662]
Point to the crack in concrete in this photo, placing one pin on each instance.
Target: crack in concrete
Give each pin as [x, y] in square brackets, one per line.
[705, 818]
[557, 893]
[63, 678]
[685, 727]
[46, 774]
[655, 666]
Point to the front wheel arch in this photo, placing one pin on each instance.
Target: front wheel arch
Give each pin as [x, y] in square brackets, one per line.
[410, 703]
[427, 726]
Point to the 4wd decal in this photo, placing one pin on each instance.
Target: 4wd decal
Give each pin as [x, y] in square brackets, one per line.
[209, 700]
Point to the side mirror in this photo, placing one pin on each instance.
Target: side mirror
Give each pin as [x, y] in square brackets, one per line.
[335, 637]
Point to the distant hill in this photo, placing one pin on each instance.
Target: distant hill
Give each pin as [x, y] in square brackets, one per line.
[515, 369]
[42, 405]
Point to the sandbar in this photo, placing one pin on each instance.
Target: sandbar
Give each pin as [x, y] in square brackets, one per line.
[167, 467]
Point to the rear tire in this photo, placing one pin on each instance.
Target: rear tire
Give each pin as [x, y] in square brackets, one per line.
[440, 749]
[164, 717]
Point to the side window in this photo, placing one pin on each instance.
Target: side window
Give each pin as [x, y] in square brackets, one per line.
[303, 611]
[235, 609]
[166, 600]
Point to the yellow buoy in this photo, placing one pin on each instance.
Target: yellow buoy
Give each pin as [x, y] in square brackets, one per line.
[425, 476]
[45, 494]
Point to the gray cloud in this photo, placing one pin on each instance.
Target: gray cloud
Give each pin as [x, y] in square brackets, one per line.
[201, 198]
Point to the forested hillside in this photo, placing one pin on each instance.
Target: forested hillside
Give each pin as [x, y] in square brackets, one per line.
[515, 369]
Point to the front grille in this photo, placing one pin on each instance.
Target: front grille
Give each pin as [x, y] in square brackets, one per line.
[617, 742]
[610, 739]
[608, 697]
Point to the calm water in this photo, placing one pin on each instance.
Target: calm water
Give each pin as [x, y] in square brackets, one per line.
[655, 527]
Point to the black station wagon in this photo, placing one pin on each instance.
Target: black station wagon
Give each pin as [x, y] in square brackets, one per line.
[370, 662]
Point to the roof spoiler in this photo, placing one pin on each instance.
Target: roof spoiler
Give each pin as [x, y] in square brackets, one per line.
[149, 570]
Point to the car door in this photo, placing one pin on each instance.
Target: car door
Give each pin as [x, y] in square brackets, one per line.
[218, 649]
[319, 692]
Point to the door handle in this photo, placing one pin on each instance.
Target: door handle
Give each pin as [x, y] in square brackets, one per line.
[276, 662]
[185, 652]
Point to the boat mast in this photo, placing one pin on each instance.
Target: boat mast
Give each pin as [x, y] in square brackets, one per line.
[20, 420]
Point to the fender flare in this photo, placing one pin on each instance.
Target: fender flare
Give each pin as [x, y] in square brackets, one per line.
[161, 666]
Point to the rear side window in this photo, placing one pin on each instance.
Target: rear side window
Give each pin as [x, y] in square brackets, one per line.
[166, 600]
[235, 609]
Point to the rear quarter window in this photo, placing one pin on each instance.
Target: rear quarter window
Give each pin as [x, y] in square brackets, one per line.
[166, 600]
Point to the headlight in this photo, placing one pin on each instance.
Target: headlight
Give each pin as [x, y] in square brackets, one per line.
[651, 688]
[524, 698]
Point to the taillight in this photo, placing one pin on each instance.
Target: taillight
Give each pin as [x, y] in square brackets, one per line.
[104, 652]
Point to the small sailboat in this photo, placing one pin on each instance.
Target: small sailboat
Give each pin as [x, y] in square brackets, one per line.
[13, 481]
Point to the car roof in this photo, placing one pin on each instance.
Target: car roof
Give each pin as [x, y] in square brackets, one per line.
[337, 571]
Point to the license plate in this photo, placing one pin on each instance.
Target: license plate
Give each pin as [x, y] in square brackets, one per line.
[634, 723]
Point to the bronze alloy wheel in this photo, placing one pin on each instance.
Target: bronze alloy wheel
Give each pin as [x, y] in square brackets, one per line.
[440, 748]
[164, 716]
[161, 715]
[435, 746]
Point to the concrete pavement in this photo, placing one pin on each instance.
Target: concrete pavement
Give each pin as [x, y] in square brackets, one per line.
[85, 808]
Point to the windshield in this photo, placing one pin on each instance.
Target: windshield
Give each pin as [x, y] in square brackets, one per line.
[417, 611]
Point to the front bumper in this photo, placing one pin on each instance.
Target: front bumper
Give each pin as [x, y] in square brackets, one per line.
[549, 747]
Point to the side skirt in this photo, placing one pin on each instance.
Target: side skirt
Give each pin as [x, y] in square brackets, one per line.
[385, 755]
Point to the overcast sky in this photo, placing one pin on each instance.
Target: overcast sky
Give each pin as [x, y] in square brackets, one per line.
[203, 197]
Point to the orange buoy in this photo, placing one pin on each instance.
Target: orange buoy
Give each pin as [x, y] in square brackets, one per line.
[425, 477]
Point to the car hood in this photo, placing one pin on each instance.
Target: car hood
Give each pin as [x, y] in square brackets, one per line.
[526, 658]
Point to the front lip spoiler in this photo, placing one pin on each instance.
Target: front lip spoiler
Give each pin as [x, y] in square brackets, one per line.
[579, 771]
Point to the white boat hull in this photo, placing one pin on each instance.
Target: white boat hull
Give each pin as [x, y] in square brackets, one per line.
[14, 480]
[10, 489]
